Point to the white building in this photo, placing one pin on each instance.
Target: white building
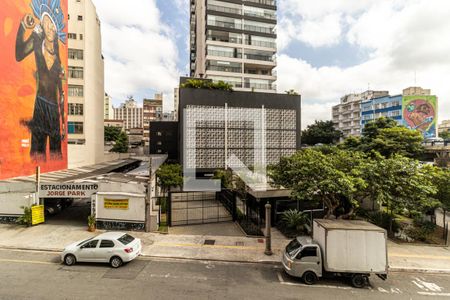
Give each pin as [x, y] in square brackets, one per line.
[235, 42]
[109, 114]
[86, 85]
[130, 113]
[347, 115]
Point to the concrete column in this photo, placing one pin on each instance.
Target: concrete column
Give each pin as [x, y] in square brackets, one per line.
[268, 250]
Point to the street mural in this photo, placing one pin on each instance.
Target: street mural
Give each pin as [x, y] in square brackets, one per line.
[419, 112]
[33, 86]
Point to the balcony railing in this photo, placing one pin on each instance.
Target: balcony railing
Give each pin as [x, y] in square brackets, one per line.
[224, 24]
[224, 39]
[260, 15]
[261, 44]
[225, 9]
[258, 29]
[259, 57]
[224, 54]
[266, 2]
[259, 86]
[224, 69]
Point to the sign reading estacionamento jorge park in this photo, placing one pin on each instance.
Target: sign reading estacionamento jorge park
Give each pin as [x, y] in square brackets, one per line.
[67, 190]
[33, 86]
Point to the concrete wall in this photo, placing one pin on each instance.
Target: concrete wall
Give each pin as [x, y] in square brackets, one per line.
[10, 203]
[439, 213]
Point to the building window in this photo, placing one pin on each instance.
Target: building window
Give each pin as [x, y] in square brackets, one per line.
[81, 37]
[75, 109]
[159, 143]
[76, 54]
[159, 133]
[72, 36]
[80, 18]
[76, 72]
[76, 91]
[75, 127]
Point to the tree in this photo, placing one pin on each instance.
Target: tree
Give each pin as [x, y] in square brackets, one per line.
[321, 132]
[121, 145]
[395, 140]
[442, 181]
[112, 133]
[332, 178]
[386, 137]
[169, 175]
[445, 135]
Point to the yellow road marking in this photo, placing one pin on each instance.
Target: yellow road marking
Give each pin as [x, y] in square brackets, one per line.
[420, 256]
[28, 261]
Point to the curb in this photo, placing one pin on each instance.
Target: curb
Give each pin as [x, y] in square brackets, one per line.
[212, 259]
[31, 249]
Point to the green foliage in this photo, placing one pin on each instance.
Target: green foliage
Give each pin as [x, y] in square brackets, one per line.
[25, 219]
[442, 182]
[445, 135]
[112, 133]
[121, 145]
[226, 178]
[384, 220]
[421, 230]
[163, 203]
[351, 143]
[169, 175]
[91, 220]
[321, 132]
[207, 84]
[329, 178]
[386, 137]
[292, 92]
[294, 222]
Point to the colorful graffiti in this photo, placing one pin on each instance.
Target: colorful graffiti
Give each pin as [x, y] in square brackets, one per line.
[419, 112]
[33, 86]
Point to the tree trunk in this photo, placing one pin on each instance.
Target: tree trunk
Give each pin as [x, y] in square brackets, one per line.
[347, 215]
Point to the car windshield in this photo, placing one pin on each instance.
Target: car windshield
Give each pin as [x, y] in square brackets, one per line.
[126, 239]
[84, 241]
[293, 246]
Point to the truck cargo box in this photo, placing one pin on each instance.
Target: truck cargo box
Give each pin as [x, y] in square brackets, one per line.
[351, 246]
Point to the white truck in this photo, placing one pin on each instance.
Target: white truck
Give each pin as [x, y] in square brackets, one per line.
[352, 249]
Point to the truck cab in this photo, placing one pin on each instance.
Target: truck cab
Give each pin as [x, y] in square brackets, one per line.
[302, 257]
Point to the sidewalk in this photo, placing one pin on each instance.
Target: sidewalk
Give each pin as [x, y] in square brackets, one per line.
[222, 248]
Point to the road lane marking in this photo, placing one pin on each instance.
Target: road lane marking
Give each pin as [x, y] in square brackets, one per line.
[427, 286]
[434, 294]
[282, 281]
[29, 261]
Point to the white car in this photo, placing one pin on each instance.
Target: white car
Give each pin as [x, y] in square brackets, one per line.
[114, 248]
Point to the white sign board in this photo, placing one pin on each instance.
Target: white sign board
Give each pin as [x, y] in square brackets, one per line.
[67, 190]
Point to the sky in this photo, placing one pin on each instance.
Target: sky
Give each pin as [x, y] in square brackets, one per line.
[326, 49]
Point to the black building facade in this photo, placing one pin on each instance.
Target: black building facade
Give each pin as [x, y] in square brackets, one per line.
[164, 139]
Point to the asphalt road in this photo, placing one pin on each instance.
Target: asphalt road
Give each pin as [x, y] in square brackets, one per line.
[40, 275]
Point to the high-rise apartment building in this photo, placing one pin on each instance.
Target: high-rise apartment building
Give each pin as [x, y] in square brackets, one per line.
[130, 113]
[234, 41]
[347, 115]
[86, 85]
[109, 114]
[153, 111]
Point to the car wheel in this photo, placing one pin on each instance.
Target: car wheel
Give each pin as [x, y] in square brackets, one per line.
[69, 260]
[359, 281]
[309, 277]
[115, 262]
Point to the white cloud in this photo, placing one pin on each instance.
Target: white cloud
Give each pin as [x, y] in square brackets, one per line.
[402, 37]
[139, 48]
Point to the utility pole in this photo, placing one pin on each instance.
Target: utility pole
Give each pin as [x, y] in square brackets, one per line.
[268, 250]
[149, 197]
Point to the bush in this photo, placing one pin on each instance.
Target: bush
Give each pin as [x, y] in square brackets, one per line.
[250, 228]
[25, 219]
[420, 230]
[383, 219]
[163, 203]
[294, 223]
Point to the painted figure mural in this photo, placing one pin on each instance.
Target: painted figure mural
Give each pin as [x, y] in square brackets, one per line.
[419, 112]
[33, 81]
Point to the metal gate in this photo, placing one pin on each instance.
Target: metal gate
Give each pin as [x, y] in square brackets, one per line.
[186, 208]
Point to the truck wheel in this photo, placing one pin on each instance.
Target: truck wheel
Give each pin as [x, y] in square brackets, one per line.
[359, 281]
[309, 277]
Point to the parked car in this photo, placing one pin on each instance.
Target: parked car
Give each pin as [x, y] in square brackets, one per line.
[114, 248]
[351, 249]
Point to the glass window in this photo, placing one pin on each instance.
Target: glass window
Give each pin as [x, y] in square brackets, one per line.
[75, 127]
[223, 66]
[222, 36]
[236, 82]
[76, 109]
[293, 246]
[126, 239]
[84, 241]
[259, 27]
[259, 55]
[80, 18]
[76, 91]
[260, 12]
[230, 8]
[76, 72]
[224, 22]
[260, 41]
[72, 36]
[76, 54]
[91, 244]
[224, 51]
[106, 244]
[307, 252]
